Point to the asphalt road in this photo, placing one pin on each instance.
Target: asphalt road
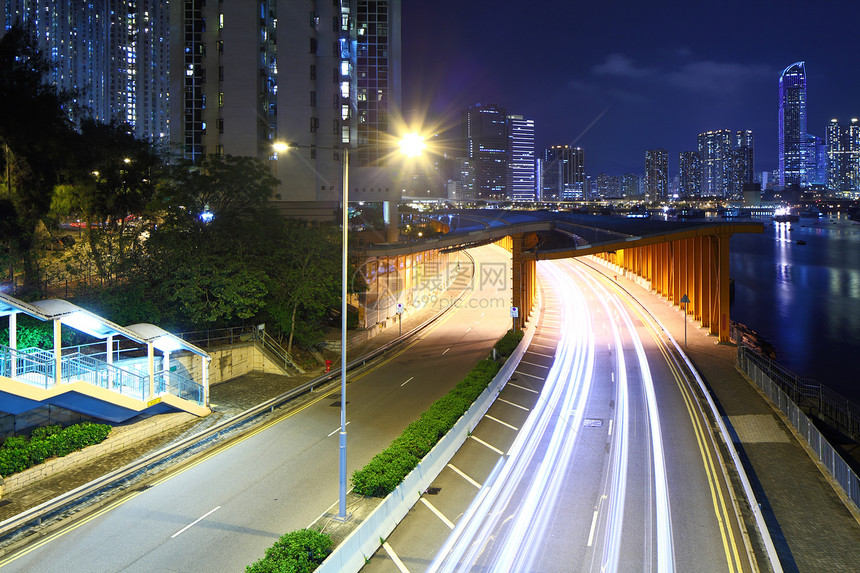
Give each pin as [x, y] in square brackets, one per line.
[222, 511]
[611, 467]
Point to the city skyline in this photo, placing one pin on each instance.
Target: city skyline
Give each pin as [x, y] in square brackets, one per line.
[618, 80]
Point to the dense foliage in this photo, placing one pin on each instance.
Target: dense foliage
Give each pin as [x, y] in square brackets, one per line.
[295, 552]
[17, 453]
[388, 468]
[508, 343]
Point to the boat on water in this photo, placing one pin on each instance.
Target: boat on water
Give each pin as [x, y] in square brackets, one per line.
[784, 215]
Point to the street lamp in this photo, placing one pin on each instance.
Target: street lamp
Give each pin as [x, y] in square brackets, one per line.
[411, 145]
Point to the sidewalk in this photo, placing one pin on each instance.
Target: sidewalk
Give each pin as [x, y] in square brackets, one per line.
[811, 527]
[226, 400]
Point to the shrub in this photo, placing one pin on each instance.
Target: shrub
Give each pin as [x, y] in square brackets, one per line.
[295, 552]
[18, 453]
[508, 343]
[388, 468]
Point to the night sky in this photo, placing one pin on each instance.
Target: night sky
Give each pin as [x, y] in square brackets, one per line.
[620, 77]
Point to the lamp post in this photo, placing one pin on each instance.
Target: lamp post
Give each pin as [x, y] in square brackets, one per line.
[685, 300]
[411, 145]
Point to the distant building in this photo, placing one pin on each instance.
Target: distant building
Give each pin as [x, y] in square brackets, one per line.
[563, 175]
[521, 183]
[630, 185]
[461, 187]
[816, 160]
[606, 187]
[792, 125]
[715, 156]
[486, 143]
[743, 163]
[843, 143]
[657, 174]
[690, 175]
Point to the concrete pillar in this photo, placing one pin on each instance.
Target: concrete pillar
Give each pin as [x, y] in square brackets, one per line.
[517, 282]
[109, 355]
[391, 215]
[150, 360]
[723, 277]
[166, 368]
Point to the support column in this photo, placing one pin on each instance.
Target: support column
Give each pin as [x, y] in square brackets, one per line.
[391, 215]
[109, 356]
[13, 344]
[691, 274]
[150, 360]
[165, 363]
[517, 298]
[204, 367]
[723, 286]
[698, 301]
[713, 284]
[58, 351]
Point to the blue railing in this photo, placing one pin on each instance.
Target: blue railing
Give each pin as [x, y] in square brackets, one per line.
[37, 367]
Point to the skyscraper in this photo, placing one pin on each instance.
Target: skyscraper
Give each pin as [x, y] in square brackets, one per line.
[715, 156]
[843, 143]
[743, 163]
[521, 158]
[657, 174]
[792, 125]
[486, 139]
[113, 55]
[323, 80]
[563, 175]
[690, 175]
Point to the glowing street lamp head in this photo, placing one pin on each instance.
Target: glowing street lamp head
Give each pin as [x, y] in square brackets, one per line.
[280, 146]
[412, 144]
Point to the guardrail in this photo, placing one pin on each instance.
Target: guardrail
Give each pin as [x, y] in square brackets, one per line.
[189, 445]
[750, 363]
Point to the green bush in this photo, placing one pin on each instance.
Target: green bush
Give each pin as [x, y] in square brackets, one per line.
[295, 552]
[508, 343]
[388, 468]
[18, 453]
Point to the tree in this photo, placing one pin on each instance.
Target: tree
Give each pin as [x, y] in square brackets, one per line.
[36, 136]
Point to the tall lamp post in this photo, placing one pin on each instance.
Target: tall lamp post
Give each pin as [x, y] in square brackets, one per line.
[411, 145]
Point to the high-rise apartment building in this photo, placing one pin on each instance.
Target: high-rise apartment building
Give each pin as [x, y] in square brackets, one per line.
[657, 174]
[563, 175]
[521, 159]
[792, 125]
[486, 142]
[321, 79]
[843, 143]
[690, 175]
[743, 163]
[112, 54]
[715, 157]
[816, 160]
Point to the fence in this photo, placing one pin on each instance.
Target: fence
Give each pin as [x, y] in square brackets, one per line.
[786, 390]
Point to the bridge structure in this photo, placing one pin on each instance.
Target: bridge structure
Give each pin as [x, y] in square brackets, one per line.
[677, 258]
[114, 379]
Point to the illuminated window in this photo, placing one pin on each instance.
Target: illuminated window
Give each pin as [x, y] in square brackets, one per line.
[220, 20]
[344, 112]
[220, 99]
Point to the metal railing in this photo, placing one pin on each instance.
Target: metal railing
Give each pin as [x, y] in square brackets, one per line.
[275, 348]
[783, 390]
[178, 385]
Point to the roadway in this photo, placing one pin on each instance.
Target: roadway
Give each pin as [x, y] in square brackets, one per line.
[221, 511]
[595, 457]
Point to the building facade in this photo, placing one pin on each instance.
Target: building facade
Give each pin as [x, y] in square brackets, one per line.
[486, 143]
[843, 144]
[743, 163]
[113, 55]
[657, 174]
[563, 175]
[715, 157]
[690, 175]
[521, 159]
[792, 125]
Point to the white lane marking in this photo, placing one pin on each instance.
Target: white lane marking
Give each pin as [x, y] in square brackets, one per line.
[542, 345]
[338, 430]
[407, 382]
[613, 376]
[446, 351]
[593, 526]
[470, 328]
[395, 558]
[610, 426]
[438, 513]
[482, 442]
[482, 314]
[512, 404]
[195, 522]
[465, 477]
[532, 364]
[502, 423]
[529, 375]
[539, 354]
[523, 388]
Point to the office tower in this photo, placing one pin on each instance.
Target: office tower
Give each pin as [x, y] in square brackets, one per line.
[486, 142]
[715, 157]
[843, 143]
[629, 185]
[321, 80]
[461, 187]
[743, 163]
[606, 187]
[521, 158]
[657, 174]
[816, 160]
[792, 125]
[689, 185]
[113, 55]
[563, 176]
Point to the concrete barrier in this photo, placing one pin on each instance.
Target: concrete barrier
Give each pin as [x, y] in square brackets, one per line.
[365, 539]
